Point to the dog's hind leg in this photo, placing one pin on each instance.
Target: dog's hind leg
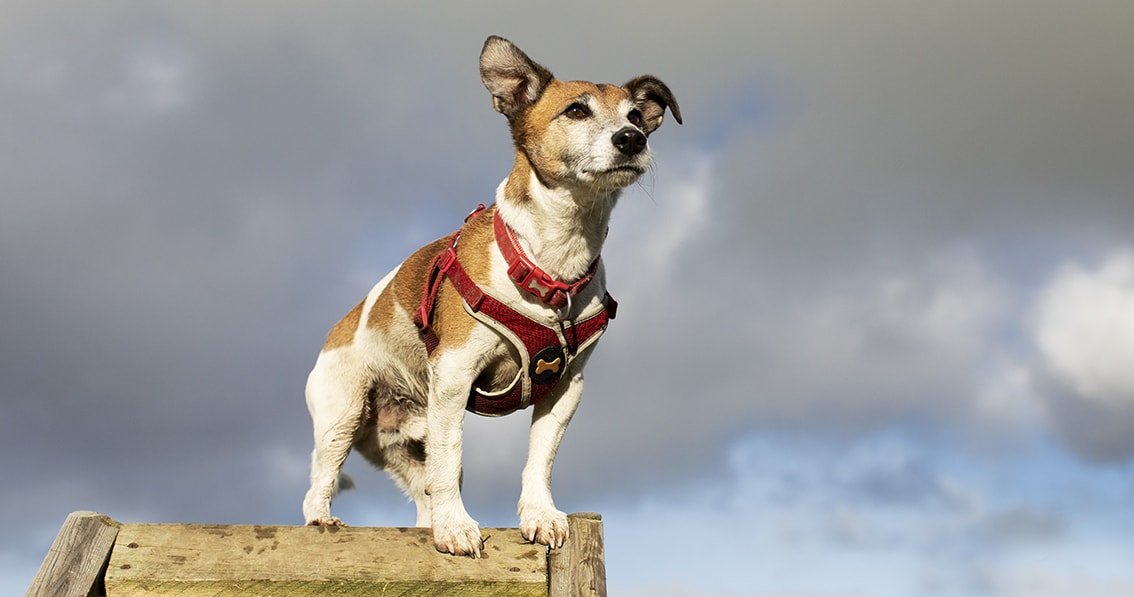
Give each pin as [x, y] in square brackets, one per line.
[337, 408]
[395, 442]
[406, 464]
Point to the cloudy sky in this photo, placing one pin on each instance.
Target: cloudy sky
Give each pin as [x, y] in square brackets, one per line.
[876, 330]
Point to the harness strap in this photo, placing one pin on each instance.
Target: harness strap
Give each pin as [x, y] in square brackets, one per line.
[443, 264]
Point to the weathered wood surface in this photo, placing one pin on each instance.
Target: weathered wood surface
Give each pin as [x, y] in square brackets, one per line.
[579, 568]
[75, 562]
[179, 559]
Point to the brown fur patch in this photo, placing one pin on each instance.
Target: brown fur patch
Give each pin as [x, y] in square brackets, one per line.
[516, 188]
[343, 332]
[406, 288]
[478, 240]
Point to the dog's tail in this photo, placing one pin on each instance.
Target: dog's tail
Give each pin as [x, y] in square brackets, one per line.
[343, 483]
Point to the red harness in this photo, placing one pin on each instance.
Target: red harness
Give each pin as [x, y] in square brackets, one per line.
[546, 349]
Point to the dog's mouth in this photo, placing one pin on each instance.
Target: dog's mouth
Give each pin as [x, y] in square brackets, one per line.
[623, 170]
[618, 176]
[612, 175]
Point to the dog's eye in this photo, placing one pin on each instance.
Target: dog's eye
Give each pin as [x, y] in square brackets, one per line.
[576, 111]
[635, 118]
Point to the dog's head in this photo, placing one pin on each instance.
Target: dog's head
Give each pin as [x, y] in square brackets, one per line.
[575, 133]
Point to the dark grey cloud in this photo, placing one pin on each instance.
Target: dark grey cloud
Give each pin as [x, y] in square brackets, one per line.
[1097, 431]
[176, 207]
[876, 222]
[916, 129]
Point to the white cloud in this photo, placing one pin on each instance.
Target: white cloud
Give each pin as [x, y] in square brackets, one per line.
[884, 342]
[1084, 327]
[683, 216]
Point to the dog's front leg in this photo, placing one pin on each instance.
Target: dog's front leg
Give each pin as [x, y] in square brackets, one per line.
[540, 520]
[454, 531]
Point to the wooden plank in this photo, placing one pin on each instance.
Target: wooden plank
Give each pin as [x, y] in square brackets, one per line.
[77, 558]
[175, 559]
[578, 569]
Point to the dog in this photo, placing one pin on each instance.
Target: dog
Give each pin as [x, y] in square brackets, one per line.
[500, 316]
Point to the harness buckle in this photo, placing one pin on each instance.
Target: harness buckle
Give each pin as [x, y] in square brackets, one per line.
[421, 318]
[448, 258]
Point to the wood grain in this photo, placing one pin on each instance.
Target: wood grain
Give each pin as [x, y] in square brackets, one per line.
[578, 569]
[178, 559]
[75, 562]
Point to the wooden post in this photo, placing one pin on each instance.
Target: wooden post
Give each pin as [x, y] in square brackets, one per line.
[579, 568]
[76, 562]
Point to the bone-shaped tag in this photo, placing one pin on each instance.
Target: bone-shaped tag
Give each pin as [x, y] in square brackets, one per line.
[542, 366]
[547, 365]
[540, 288]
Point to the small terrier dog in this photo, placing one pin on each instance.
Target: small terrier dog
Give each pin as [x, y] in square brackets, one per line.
[500, 316]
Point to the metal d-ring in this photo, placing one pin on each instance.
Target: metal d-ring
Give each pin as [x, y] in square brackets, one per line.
[564, 312]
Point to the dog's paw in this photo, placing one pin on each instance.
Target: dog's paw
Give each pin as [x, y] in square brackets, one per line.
[327, 521]
[461, 538]
[544, 525]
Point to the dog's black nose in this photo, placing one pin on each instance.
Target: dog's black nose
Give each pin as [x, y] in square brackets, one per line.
[629, 140]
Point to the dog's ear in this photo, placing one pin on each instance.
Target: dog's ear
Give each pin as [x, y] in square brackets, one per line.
[514, 80]
[652, 97]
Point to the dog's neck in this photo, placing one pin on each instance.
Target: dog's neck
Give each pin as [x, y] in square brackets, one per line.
[561, 229]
